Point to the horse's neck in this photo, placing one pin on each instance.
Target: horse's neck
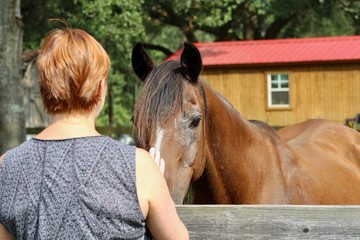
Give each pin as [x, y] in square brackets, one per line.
[226, 127]
[237, 153]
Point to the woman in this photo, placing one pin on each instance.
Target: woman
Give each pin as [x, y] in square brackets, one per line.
[70, 182]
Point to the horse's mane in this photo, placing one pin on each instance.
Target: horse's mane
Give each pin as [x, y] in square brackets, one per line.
[161, 95]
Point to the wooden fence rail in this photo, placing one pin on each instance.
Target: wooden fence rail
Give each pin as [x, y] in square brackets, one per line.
[271, 221]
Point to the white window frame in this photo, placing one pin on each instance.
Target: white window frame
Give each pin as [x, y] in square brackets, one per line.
[270, 89]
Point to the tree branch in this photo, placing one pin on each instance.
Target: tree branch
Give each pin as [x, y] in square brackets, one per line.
[162, 49]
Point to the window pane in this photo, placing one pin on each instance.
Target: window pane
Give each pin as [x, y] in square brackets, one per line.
[280, 98]
[284, 84]
[284, 77]
[274, 84]
[274, 77]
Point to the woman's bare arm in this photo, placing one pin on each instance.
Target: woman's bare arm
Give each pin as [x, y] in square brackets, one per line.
[160, 212]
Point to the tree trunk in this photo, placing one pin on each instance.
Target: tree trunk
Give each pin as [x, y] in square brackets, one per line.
[12, 119]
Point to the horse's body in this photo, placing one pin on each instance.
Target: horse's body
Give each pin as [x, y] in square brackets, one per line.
[231, 160]
[314, 162]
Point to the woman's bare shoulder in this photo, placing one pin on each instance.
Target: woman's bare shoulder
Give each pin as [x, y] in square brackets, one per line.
[4, 234]
[141, 153]
[1, 159]
[145, 165]
[145, 161]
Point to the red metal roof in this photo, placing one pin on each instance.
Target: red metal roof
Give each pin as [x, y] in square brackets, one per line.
[300, 50]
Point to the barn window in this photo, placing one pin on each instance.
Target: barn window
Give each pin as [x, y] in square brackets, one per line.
[278, 90]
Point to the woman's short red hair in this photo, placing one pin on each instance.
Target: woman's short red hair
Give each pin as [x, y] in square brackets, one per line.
[71, 66]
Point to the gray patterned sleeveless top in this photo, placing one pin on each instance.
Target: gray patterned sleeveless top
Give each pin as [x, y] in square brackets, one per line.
[79, 188]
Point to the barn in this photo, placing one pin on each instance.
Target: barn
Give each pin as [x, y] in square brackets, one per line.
[285, 81]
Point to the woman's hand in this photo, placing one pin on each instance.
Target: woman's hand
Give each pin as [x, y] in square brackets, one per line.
[155, 154]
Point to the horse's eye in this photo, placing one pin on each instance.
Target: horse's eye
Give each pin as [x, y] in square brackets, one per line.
[195, 122]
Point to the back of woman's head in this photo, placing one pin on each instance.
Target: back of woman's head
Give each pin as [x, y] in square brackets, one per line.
[71, 66]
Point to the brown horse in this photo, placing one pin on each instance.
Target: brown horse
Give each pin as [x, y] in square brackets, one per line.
[230, 160]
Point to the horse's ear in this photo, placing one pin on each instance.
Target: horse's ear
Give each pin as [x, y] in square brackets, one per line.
[191, 62]
[142, 63]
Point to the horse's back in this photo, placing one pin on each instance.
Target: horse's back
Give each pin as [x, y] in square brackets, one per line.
[327, 154]
[319, 130]
[322, 136]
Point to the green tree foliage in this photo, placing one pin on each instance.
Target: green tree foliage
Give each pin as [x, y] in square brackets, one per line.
[228, 20]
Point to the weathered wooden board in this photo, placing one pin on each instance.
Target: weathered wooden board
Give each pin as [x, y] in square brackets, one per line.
[271, 221]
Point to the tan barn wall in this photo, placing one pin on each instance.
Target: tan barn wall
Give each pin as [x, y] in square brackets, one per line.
[316, 91]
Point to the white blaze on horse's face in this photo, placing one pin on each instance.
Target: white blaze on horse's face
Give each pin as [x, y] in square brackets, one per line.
[159, 137]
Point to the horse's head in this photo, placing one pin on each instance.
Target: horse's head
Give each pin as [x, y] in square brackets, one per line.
[170, 114]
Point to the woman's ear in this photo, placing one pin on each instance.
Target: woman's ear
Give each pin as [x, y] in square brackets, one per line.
[102, 89]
